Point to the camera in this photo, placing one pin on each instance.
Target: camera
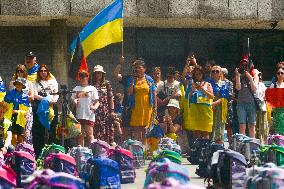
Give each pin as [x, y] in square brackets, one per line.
[243, 68]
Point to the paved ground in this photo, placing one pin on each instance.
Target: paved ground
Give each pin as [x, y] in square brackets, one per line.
[140, 177]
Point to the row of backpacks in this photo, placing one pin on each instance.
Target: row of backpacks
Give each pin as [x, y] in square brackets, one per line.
[227, 168]
[165, 170]
[99, 166]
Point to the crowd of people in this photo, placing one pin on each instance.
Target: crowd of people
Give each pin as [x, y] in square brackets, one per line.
[199, 102]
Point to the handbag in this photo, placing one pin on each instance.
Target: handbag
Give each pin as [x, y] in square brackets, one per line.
[72, 128]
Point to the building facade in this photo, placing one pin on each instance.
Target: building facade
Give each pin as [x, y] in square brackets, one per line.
[162, 32]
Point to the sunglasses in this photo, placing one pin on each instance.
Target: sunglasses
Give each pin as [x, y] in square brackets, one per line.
[43, 71]
[20, 71]
[280, 73]
[215, 71]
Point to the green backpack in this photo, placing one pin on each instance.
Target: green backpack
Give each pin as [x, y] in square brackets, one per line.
[171, 155]
[46, 150]
[272, 153]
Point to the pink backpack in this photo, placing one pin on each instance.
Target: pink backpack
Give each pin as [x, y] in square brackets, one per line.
[7, 177]
[100, 148]
[171, 183]
[60, 162]
[276, 139]
[26, 148]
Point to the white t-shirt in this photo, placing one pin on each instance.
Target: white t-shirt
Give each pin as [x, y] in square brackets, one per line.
[86, 97]
[50, 86]
[260, 93]
[169, 88]
[277, 85]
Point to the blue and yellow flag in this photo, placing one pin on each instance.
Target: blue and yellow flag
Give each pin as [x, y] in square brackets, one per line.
[105, 28]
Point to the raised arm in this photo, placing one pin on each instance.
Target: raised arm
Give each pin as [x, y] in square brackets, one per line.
[117, 70]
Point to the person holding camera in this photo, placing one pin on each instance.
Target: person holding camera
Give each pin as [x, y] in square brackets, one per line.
[200, 109]
[246, 107]
[142, 100]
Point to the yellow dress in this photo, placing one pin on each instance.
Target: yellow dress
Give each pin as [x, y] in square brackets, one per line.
[142, 111]
[201, 117]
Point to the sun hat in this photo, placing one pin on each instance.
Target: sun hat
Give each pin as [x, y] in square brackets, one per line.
[173, 103]
[99, 68]
[21, 81]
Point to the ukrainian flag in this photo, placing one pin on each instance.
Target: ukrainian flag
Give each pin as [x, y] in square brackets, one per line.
[105, 28]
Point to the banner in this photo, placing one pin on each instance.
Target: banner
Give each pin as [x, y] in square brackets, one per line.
[275, 97]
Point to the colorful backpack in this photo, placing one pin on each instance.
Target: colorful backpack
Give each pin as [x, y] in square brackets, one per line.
[46, 150]
[100, 148]
[196, 150]
[136, 147]
[171, 183]
[47, 178]
[171, 155]
[237, 143]
[272, 153]
[81, 155]
[101, 172]
[26, 147]
[272, 178]
[250, 146]
[169, 144]
[126, 164]
[159, 171]
[7, 177]
[60, 162]
[228, 170]
[276, 139]
[23, 164]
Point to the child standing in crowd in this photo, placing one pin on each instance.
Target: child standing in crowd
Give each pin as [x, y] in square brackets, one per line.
[87, 101]
[18, 108]
[5, 128]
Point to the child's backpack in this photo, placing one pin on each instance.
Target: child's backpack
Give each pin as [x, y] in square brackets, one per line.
[169, 144]
[101, 172]
[250, 146]
[237, 143]
[100, 148]
[205, 158]
[46, 150]
[60, 162]
[272, 153]
[126, 164]
[46, 178]
[196, 150]
[136, 147]
[7, 177]
[81, 155]
[276, 139]
[26, 147]
[228, 170]
[171, 155]
[171, 183]
[267, 178]
[159, 171]
[23, 164]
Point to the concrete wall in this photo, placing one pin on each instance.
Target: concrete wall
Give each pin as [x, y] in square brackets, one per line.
[230, 14]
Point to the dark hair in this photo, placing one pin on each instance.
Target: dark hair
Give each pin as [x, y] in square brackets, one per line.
[139, 62]
[211, 62]
[197, 69]
[94, 80]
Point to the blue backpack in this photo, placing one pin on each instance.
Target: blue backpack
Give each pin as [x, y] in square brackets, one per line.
[126, 164]
[136, 147]
[101, 172]
[23, 164]
[159, 171]
[60, 162]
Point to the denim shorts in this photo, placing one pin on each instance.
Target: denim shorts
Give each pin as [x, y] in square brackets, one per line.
[246, 113]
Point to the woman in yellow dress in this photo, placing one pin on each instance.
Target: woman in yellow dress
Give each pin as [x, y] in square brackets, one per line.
[200, 110]
[142, 100]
